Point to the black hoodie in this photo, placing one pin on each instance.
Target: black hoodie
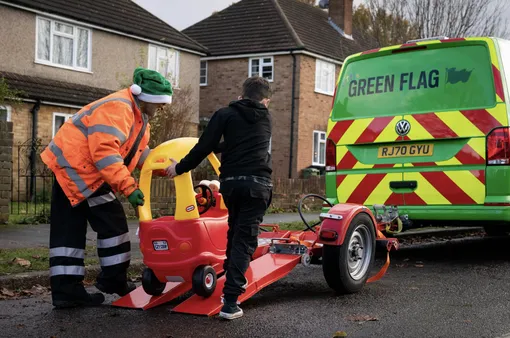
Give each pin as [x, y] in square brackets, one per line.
[246, 128]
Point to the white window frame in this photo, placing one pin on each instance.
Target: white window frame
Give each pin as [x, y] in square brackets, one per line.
[261, 64]
[65, 116]
[206, 70]
[88, 69]
[150, 55]
[9, 111]
[319, 65]
[314, 145]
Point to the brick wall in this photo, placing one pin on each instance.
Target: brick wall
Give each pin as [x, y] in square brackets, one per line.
[6, 140]
[314, 110]
[225, 79]
[22, 120]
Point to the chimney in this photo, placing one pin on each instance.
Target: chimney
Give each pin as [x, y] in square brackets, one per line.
[340, 13]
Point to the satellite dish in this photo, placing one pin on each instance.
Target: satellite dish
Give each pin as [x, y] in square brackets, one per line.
[324, 3]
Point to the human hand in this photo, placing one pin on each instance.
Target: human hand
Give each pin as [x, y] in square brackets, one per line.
[136, 198]
[170, 170]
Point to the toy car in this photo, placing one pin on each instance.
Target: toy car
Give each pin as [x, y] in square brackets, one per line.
[187, 247]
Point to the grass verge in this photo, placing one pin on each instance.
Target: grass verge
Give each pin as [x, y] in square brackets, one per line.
[38, 258]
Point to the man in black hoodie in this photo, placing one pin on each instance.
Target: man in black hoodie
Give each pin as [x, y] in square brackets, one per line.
[245, 176]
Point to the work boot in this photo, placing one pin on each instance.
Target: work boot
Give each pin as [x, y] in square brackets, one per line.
[120, 290]
[231, 311]
[88, 299]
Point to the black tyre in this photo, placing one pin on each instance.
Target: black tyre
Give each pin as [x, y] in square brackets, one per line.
[346, 267]
[150, 283]
[495, 230]
[204, 281]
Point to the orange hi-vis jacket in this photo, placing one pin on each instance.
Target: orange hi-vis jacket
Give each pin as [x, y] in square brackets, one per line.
[92, 146]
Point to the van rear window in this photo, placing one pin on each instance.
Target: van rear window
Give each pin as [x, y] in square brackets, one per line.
[427, 80]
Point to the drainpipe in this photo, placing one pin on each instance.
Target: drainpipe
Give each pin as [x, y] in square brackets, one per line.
[35, 113]
[292, 113]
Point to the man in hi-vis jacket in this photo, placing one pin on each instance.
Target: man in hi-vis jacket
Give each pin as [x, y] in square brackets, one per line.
[92, 156]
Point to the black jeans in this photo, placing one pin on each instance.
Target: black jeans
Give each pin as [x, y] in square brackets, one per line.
[247, 203]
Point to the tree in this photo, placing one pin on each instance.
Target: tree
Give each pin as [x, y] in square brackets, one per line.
[8, 94]
[384, 22]
[397, 21]
[176, 118]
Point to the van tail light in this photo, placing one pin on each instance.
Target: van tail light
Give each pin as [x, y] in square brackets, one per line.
[330, 155]
[498, 146]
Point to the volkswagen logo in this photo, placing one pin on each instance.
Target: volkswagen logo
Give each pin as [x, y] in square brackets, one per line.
[403, 127]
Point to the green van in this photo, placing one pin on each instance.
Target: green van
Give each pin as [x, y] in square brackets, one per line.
[424, 126]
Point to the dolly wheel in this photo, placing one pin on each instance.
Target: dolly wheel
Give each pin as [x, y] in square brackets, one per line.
[150, 283]
[204, 281]
[346, 267]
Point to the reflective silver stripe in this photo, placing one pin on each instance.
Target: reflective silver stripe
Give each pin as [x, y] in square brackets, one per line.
[67, 270]
[108, 160]
[112, 241]
[67, 252]
[144, 156]
[77, 117]
[101, 128]
[114, 260]
[71, 172]
[95, 201]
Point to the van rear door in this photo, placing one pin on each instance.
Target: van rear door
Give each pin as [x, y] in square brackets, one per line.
[409, 123]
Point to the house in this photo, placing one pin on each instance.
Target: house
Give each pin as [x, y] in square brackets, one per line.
[64, 54]
[299, 49]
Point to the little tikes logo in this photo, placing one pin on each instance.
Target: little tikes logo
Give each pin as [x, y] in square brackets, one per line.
[454, 76]
[190, 208]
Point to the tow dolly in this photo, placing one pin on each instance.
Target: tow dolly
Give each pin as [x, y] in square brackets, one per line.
[185, 252]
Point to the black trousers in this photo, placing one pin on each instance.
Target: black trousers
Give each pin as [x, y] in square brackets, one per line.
[247, 203]
[68, 229]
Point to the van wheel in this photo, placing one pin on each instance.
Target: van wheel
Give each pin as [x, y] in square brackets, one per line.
[495, 230]
[346, 267]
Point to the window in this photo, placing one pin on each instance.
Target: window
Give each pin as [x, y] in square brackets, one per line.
[5, 113]
[262, 67]
[63, 45]
[325, 77]
[319, 148]
[166, 62]
[203, 73]
[58, 120]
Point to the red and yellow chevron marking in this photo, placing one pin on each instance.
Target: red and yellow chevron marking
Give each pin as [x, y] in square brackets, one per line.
[434, 187]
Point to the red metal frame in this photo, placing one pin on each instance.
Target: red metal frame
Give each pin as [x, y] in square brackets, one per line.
[202, 241]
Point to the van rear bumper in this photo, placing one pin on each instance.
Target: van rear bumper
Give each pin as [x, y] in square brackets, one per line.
[463, 214]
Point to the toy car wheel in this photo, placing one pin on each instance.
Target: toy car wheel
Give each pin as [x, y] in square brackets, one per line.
[150, 283]
[204, 281]
[346, 267]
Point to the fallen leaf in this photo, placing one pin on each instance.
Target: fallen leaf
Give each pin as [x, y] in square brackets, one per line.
[21, 262]
[414, 288]
[36, 256]
[19, 326]
[419, 265]
[340, 334]
[364, 318]
[7, 293]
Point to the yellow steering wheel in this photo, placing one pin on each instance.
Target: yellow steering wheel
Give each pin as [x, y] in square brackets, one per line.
[158, 159]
